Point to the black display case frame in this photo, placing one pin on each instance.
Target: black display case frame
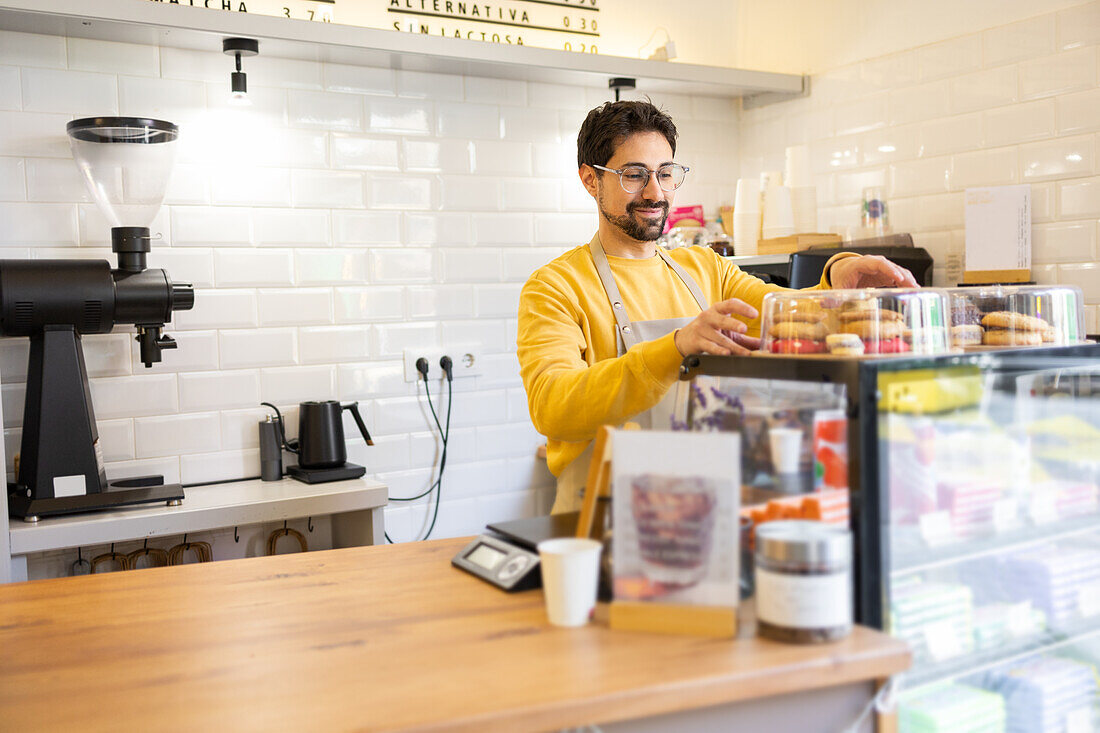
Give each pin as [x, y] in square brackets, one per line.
[869, 506]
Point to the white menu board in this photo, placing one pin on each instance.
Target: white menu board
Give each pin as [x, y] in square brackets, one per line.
[570, 25]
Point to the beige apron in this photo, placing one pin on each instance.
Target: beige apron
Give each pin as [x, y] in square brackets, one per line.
[572, 478]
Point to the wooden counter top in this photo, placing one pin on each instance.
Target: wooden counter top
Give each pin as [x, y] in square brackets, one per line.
[366, 638]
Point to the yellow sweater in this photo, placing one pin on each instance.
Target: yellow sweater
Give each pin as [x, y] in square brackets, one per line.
[566, 340]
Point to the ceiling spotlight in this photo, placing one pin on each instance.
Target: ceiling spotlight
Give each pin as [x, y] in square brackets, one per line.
[619, 83]
[238, 83]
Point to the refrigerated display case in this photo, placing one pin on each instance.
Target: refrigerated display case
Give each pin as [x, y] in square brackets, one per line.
[973, 487]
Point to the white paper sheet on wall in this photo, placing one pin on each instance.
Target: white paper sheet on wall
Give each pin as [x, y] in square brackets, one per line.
[998, 228]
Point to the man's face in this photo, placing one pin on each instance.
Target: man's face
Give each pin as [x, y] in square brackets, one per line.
[640, 216]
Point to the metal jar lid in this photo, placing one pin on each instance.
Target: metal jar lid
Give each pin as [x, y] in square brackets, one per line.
[804, 542]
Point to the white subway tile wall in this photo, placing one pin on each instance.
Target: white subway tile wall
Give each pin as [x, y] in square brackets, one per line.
[1016, 103]
[353, 213]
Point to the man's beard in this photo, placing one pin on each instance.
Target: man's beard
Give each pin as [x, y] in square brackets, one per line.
[633, 228]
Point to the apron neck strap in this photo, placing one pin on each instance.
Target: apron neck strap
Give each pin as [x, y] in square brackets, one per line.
[611, 288]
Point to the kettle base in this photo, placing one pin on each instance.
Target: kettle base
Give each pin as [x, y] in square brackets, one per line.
[323, 475]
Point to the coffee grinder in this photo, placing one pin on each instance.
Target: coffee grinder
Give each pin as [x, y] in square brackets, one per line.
[125, 163]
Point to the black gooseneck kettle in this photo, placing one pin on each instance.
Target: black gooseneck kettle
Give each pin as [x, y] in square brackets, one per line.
[321, 433]
[320, 446]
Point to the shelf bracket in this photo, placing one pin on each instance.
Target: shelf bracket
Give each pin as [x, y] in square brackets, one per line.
[763, 99]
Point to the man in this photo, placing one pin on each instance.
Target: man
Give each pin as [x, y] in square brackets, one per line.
[604, 327]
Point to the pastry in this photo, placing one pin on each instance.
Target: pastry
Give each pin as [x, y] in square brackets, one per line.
[871, 329]
[851, 306]
[844, 344]
[806, 311]
[1005, 328]
[887, 346]
[1014, 321]
[797, 346]
[967, 334]
[870, 314]
[1004, 337]
[964, 312]
[797, 330]
[1050, 335]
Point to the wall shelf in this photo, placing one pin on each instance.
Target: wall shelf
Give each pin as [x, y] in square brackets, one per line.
[204, 508]
[179, 26]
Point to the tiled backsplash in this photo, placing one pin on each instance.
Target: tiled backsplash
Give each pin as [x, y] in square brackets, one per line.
[351, 213]
[1018, 103]
[348, 214]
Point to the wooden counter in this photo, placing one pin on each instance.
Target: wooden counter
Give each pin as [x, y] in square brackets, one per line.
[365, 638]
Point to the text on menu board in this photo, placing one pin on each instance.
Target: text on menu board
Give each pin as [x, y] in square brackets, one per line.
[572, 25]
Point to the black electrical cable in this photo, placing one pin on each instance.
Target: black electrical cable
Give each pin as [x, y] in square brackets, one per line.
[445, 435]
[443, 457]
[443, 460]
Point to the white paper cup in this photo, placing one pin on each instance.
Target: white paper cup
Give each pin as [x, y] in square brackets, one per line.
[747, 198]
[778, 214]
[570, 573]
[746, 232]
[786, 446]
[804, 207]
[770, 178]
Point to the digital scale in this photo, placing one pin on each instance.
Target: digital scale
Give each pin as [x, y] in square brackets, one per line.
[508, 558]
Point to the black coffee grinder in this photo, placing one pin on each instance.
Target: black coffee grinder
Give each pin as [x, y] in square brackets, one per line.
[125, 163]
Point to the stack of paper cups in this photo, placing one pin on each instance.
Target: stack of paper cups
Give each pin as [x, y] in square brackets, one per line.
[803, 192]
[804, 208]
[746, 217]
[778, 216]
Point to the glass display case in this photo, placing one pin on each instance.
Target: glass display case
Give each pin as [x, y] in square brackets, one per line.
[972, 485]
[992, 316]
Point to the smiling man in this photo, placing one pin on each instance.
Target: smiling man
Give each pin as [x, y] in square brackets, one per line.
[604, 327]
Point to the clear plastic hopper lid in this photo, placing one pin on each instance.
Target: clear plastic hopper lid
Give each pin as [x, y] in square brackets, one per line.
[125, 163]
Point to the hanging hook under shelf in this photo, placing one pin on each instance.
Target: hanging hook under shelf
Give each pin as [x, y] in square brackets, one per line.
[309, 524]
[236, 537]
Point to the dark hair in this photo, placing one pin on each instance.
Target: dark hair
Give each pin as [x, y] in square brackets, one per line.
[608, 125]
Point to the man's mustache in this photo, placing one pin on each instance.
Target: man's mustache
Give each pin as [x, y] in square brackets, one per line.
[635, 205]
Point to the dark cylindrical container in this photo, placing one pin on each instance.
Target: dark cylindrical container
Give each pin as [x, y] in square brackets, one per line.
[271, 451]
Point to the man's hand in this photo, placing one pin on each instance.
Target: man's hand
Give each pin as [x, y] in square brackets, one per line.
[716, 331]
[869, 271]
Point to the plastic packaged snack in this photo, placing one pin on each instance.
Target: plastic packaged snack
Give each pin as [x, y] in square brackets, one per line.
[852, 323]
[1000, 316]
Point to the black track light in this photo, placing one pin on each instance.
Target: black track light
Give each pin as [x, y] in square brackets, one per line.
[238, 82]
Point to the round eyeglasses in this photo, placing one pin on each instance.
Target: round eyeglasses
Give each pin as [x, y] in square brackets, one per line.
[634, 178]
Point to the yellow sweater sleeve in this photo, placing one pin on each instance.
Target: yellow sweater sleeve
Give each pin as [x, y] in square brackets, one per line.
[568, 398]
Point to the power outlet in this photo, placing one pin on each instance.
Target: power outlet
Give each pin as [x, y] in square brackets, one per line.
[467, 361]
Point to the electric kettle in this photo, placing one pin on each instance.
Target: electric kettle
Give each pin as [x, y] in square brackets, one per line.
[321, 433]
[320, 447]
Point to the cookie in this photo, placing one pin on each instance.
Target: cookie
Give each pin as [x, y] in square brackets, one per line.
[844, 344]
[1002, 337]
[1015, 322]
[797, 346]
[1050, 335]
[887, 346]
[851, 306]
[965, 313]
[797, 330]
[873, 329]
[967, 335]
[881, 314]
[803, 310]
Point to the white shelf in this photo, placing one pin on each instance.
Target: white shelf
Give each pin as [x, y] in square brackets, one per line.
[180, 26]
[743, 260]
[204, 508]
[918, 558]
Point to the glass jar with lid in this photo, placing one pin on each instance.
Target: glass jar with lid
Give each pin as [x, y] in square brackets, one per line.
[803, 581]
